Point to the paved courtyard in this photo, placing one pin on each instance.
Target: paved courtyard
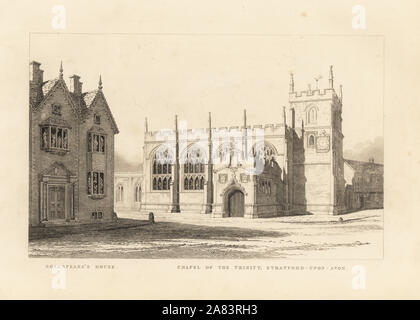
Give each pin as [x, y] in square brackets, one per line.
[358, 236]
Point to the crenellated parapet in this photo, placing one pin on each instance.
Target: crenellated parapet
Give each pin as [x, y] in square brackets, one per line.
[270, 129]
[316, 94]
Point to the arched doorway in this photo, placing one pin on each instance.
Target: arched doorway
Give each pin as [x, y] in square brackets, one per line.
[235, 204]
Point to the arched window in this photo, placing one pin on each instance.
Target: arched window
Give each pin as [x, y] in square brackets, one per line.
[312, 115]
[120, 193]
[162, 169]
[263, 152]
[311, 141]
[194, 169]
[137, 193]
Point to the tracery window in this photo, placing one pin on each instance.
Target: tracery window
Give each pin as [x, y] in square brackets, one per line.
[194, 169]
[54, 138]
[96, 142]
[95, 183]
[311, 141]
[263, 152]
[162, 169]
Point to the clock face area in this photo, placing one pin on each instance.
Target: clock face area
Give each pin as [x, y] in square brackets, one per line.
[323, 144]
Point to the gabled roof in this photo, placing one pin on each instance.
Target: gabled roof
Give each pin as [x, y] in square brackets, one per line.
[361, 166]
[81, 105]
[50, 86]
[89, 99]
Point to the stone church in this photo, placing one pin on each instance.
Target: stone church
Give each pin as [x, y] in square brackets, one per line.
[71, 151]
[292, 166]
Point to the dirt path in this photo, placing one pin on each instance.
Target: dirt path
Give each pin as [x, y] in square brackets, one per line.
[305, 237]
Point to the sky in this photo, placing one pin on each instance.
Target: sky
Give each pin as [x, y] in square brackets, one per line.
[160, 75]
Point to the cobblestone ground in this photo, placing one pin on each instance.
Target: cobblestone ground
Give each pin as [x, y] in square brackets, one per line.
[358, 236]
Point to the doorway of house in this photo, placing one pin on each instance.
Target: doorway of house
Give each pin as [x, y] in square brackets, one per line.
[236, 204]
[56, 203]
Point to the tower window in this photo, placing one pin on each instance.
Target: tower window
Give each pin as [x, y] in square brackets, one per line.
[97, 119]
[312, 115]
[311, 141]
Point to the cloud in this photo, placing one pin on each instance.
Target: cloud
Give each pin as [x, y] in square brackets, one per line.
[365, 150]
[121, 164]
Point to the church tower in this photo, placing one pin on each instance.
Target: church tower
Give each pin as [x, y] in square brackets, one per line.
[318, 168]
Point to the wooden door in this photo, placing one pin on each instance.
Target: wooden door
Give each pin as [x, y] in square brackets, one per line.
[236, 204]
[56, 203]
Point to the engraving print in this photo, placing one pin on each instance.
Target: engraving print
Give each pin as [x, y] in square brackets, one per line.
[187, 147]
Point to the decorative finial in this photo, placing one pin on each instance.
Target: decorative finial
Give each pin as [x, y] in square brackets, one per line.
[100, 83]
[341, 92]
[146, 125]
[331, 78]
[61, 69]
[317, 79]
[210, 133]
[309, 87]
[292, 83]
[245, 118]
[284, 115]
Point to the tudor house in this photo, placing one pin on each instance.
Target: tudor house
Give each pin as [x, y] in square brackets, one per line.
[71, 151]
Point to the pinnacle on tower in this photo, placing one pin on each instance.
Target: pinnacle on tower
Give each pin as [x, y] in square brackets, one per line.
[61, 70]
[100, 83]
[284, 115]
[331, 80]
[292, 83]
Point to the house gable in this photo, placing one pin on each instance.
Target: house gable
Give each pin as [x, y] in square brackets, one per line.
[96, 103]
[56, 92]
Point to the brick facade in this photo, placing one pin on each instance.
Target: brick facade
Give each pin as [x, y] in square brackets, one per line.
[61, 122]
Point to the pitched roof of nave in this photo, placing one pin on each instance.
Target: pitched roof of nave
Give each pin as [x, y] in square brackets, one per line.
[81, 104]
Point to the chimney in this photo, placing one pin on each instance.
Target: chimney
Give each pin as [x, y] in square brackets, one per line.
[36, 78]
[372, 160]
[36, 75]
[76, 85]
